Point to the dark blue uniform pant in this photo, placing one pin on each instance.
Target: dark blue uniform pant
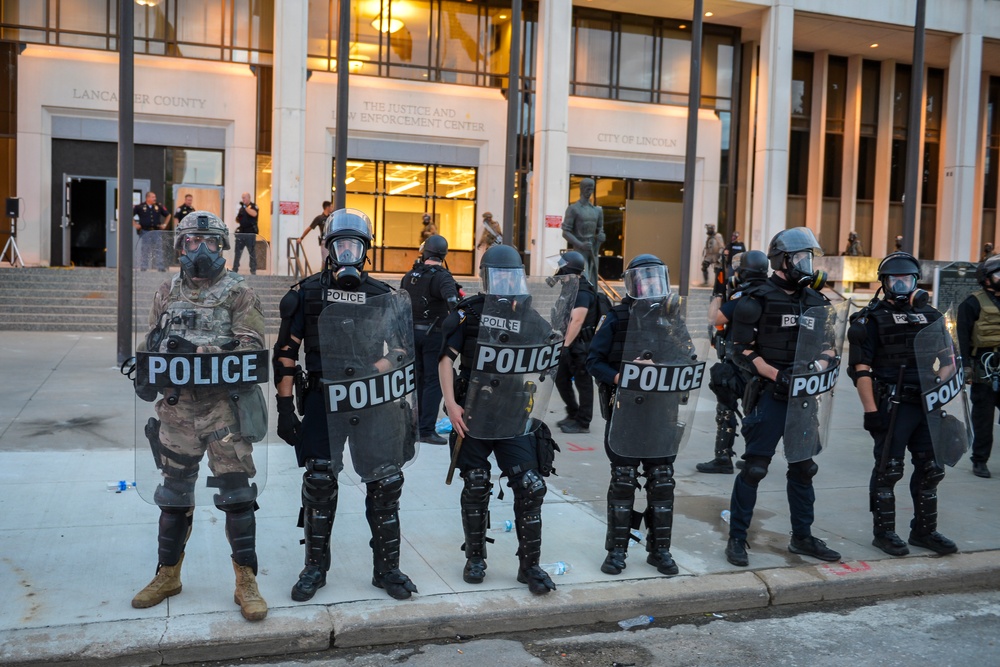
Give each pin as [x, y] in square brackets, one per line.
[248, 241]
[428, 349]
[572, 371]
[762, 430]
[985, 402]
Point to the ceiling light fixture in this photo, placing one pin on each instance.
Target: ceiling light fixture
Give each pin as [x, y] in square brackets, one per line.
[463, 191]
[383, 23]
[404, 187]
[709, 14]
[874, 45]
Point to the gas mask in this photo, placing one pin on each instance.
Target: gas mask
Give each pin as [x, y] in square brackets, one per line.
[348, 257]
[202, 261]
[799, 267]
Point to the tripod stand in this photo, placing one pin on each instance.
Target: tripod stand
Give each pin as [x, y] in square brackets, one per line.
[15, 254]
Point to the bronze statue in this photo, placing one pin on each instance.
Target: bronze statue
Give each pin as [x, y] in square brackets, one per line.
[583, 228]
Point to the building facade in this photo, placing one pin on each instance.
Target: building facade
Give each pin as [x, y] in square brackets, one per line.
[803, 121]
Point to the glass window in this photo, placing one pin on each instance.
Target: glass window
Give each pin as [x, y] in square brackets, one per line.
[836, 94]
[871, 79]
[635, 69]
[186, 165]
[901, 102]
[675, 66]
[592, 64]
[802, 76]
[460, 50]
[935, 104]
[199, 28]
[716, 71]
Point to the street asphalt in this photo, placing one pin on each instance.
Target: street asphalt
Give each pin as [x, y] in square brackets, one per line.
[73, 553]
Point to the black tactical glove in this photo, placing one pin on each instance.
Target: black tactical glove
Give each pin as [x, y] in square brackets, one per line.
[876, 422]
[180, 345]
[289, 426]
[783, 382]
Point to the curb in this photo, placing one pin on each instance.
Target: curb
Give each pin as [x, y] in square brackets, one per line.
[306, 628]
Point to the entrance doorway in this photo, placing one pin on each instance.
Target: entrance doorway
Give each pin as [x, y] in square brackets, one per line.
[90, 219]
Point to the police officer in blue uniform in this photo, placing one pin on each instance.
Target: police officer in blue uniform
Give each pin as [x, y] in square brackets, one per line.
[882, 341]
[348, 239]
[151, 216]
[572, 378]
[433, 294]
[765, 332]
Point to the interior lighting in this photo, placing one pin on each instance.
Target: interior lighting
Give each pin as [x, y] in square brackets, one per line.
[463, 191]
[404, 187]
[709, 14]
[383, 23]
[874, 45]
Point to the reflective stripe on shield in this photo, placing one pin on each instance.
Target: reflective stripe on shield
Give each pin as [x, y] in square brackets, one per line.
[943, 395]
[517, 354]
[814, 374]
[202, 366]
[369, 380]
[659, 382]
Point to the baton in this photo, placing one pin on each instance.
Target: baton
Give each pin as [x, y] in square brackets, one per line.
[894, 401]
[454, 460]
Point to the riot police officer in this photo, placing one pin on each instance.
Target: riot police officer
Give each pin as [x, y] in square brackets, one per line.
[572, 376]
[765, 330]
[979, 339]
[307, 312]
[490, 411]
[205, 309]
[884, 367]
[645, 310]
[749, 269]
[433, 294]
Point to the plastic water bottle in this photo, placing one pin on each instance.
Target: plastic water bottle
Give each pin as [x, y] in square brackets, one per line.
[120, 486]
[555, 569]
[725, 515]
[636, 622]
[637, 534]
[506, 527]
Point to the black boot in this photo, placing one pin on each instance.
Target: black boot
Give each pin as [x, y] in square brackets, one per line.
[660, 518]
[725, 435]
[475, 517]
[883, 504]
[382, 512]
[319, 507]
[621, 497]
[923, 528]
[529, 490]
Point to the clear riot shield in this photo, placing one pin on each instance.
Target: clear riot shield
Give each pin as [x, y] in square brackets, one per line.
[943, 395]
[517, 355]
[369, 380]
[202, 360]
[814, 373]
[659, 382]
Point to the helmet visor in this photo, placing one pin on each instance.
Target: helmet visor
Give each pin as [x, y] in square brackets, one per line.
[505, 281]
[901, 284]
[347, 250]
[801, 262]
[647, 282]
[211, 241]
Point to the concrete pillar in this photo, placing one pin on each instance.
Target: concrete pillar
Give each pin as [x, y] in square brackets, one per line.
[748, 124]
[550, 177]
[960, 213]
[852, 141]
[774, 109]
[881, 245]
[288, 124]
[817, 143]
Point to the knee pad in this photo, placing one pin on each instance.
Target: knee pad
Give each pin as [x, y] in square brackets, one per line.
[385, 492]
[175, 493]
[236, 493]
[755, 470]
[624, 482]
[477, 487]
[319, 482]
[660, 482]
[930, 473]
[802, 471]
[529, 485]
[893, 473]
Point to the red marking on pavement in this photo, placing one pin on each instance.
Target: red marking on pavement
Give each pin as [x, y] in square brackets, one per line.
[577, 448]
[847, 568]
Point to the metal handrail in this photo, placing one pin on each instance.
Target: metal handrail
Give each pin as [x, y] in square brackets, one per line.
[608, 290]
[296, 259]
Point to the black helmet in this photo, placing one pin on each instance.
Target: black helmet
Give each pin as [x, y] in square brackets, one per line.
[348, 238]
[502, 271]
[899, 272]
[435, 247]
[753, 266]
[792, 250]
[646, 277]
[986, 269]
[572, 263]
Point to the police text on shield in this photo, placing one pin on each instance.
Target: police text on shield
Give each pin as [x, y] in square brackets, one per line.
[941, 395]
[511, 360]
[814, 384]
[369, 392]
[664, 379]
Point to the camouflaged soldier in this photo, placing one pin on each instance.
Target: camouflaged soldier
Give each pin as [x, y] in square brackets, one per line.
[205, 309]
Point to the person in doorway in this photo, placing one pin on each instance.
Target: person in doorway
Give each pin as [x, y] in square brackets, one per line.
[184, 209]
[491, 235]
[246, 233]
[147, 218]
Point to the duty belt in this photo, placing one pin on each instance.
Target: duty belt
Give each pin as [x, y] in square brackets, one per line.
[423, 327]
[907, 393]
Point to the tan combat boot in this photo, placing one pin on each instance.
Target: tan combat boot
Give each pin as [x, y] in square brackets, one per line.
[166, 583]
[252, 605]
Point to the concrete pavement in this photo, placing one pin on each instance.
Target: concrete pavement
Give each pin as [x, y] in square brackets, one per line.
[72, 554]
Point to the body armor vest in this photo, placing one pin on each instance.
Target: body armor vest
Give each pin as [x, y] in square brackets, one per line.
[896, 340]
[314, 300]
[621, 333]
[473, 308]
[426, 307]
[203, 316]
[591, 319]
[986, 332]
[778, 328]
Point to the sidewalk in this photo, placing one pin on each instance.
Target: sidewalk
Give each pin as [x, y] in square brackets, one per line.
[72, 554]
